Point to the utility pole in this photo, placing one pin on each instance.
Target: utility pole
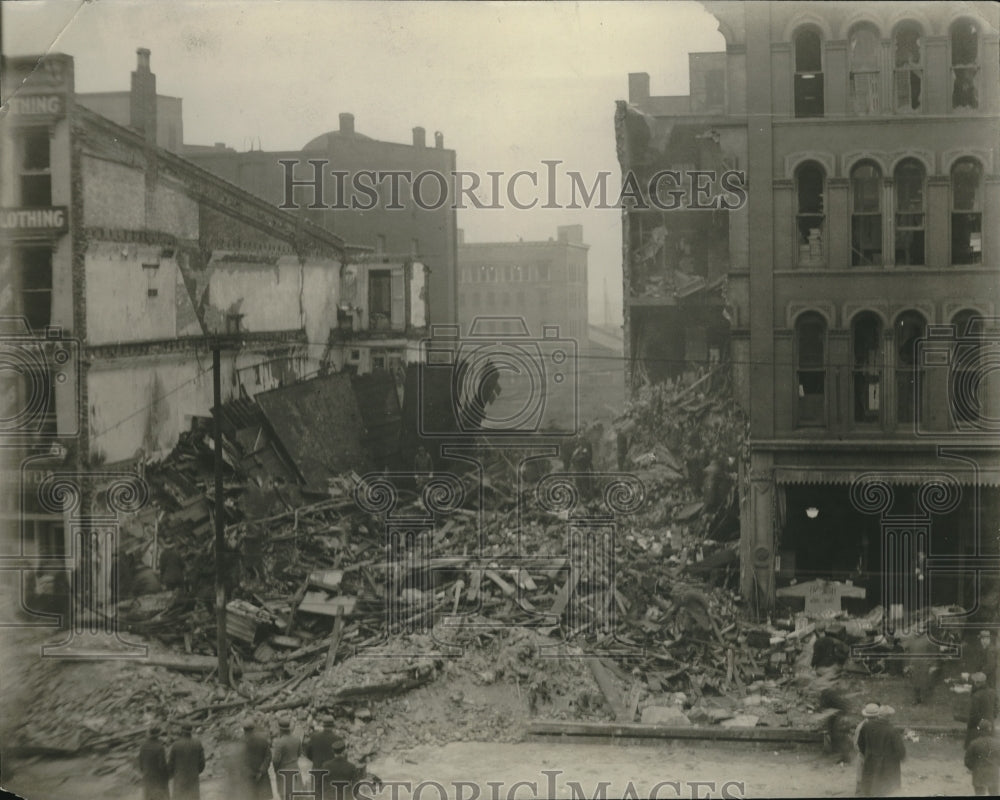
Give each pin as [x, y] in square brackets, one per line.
[222, 640]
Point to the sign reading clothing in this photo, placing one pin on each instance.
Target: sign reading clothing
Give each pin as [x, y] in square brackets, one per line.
[36, 105]
[35, 220]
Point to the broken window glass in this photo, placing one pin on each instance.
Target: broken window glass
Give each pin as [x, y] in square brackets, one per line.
[864, 48]
[808, 74]
[866, 215]
[966, 213]
[909, 249]
[908, 76]
[964, 65]
[866, 334]
[810, 180]
[811, 374]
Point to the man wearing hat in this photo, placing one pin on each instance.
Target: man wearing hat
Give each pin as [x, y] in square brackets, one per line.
[256, 757]
[870, 711]
[153, 766]
[982, 758]
[982, 705]
[882, 751]
[984, 659]
[185, 762]
[287, 748]
[319, 748]
[341, 774]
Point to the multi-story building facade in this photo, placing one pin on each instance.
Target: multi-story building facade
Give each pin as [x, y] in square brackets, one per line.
[410, 266]
[544, 283]
[862, 290]
[122, 266]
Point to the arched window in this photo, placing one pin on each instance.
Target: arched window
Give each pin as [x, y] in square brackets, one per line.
[864, 45]
[810, 358]
[909, 71]
[911, 328]
[964, 37]
[810, 182]
[808, 74]
[866, 378]
[866, 215]
[967, 389]
[966, 212]
[909, 180]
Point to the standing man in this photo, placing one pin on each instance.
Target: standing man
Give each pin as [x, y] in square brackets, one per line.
[186, 762]
[341, 774]
[287, 748]
[923, 667]
[984, 659]
[882, 750]
[982, 706]
[982, 758]
[153, 766]
[319, 748]
[256, 758]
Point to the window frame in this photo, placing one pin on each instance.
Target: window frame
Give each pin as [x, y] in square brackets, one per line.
[897, 223]
[822, 419]
[970, 69]
[913, 369]
[872, 374]
[916, 69]
[803, 217]
[800, 109]
[975, 212]
[874, 73]
[858, 216]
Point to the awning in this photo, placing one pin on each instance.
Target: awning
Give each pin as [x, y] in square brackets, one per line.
[963, 474]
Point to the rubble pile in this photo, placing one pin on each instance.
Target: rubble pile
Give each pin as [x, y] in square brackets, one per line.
[329, 615]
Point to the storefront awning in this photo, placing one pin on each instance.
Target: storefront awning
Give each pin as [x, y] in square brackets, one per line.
[901, 477]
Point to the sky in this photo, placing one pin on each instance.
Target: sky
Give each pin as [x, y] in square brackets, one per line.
[509, 84]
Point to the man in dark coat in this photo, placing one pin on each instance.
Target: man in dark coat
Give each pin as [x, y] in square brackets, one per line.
[982, 758]
[319, 748]
[982, 706]
[882, 750]
[153, 766]
[256, 757]
[983, 658]
[185, 762]
[287, 748]
[341, 774]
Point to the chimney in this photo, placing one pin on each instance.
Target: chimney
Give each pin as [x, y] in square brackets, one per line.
[347, 123]
[419, 137]
[142, 100]
[638, 87]
[439, 140]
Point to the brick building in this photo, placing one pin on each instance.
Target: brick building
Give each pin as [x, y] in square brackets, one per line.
[865, 262]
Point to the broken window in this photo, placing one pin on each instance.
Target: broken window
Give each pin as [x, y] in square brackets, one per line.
[808, 74]
[864, 46]
[908, 74]
[866, 339]
[966, 212]
[964, 64]
[966, 384]
[910, 329]
[866, 215]
[380, 299]
[810, 342]
[36, 177]
[809, 183]
[909, 181]
[33, 285]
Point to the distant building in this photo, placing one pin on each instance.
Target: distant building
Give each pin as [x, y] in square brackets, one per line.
[545, 283]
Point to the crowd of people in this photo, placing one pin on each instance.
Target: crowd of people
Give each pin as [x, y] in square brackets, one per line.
[174, 773]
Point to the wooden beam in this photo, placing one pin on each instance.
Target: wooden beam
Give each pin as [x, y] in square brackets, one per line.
[582, 731]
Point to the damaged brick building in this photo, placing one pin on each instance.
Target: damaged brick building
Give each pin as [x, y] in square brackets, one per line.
[122, 263]
[855, 293]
